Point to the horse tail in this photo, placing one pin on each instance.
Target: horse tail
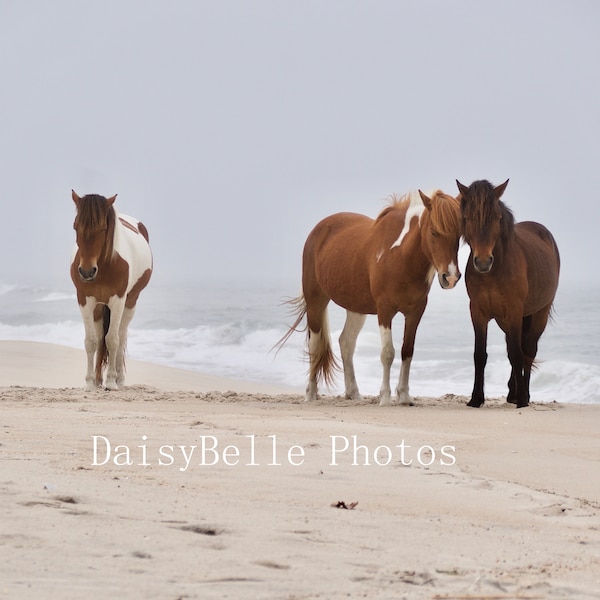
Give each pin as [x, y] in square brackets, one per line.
[298, 310]
[323, 364]
[102, 357]
[530, 364]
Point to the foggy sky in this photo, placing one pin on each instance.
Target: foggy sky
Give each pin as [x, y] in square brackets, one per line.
[231, 127]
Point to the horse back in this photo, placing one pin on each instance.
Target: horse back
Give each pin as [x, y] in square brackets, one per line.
[338, 235]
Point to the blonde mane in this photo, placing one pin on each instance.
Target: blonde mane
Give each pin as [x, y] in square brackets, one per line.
[445, 214]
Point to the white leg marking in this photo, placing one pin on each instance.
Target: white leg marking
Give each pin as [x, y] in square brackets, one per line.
[120, 358]
[91, 341]
[116, 305]
[387, 358]
[354, 323]
[311, 387]
[402, 389]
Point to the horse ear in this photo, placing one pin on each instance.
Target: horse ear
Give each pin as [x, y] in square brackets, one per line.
[426, 200]
[462, 188]
[500, 189]
[110, 201]
[75, 197]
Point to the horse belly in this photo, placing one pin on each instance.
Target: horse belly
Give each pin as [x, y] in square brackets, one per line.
[347, 285]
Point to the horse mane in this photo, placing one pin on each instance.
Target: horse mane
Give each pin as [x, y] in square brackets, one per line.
[94, 215]
[395, 202]
[444, 213]
[482, 206]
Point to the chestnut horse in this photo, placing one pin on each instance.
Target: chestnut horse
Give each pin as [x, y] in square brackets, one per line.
[111, 265]
[382, 266]
[512, 277]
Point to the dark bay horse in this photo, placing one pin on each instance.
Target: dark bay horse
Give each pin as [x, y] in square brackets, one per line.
[382, 266]
[512, 277]
[111, 265]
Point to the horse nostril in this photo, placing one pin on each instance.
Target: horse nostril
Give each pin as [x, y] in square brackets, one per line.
[450, 279]
[87, 275]
[483, 265]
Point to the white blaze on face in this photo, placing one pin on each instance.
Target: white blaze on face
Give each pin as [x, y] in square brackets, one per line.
[415, 209]
[452, 274]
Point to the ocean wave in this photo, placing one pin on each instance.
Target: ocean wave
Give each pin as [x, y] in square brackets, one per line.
[232, 334]
[57, 297]
[64, 333]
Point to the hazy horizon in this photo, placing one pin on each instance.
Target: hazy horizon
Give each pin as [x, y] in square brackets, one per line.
[231, 128]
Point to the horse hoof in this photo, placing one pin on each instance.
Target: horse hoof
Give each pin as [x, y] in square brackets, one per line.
[523, 405]
[474, 404]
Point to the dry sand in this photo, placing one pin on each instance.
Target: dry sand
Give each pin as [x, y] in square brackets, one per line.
[488, 503]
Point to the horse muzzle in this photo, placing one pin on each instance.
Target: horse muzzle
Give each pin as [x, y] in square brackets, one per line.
[449, 278]
[483, 265]
[88, 274]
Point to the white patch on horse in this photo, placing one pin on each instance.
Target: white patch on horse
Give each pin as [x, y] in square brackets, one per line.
[132, 247]
[415, 209]
[379, 255]
[430, 275]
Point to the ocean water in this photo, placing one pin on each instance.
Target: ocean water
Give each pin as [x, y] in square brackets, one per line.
[230, 331]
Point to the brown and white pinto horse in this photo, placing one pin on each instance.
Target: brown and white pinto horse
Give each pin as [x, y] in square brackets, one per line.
[512, 277]
[111, 265]
[382, 266]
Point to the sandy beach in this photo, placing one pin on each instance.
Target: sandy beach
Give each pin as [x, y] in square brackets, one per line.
[185, 485]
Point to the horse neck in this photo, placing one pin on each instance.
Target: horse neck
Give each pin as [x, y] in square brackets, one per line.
[411, 247]
[424, 229]
[504, 247]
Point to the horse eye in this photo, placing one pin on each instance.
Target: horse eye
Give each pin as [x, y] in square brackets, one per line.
[434, 233]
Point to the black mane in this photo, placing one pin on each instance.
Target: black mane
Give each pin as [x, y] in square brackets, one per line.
[481, 205]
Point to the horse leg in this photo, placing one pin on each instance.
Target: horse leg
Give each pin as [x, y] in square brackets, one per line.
[120, 358]
[354, 323]
[411, 323]
[319, 347]
[480, 327]
[385, 315]
[91, 341]
[529, 342]
[99, 326]
[387, 358]
[513, 381]
[512, 387]
[113, 345]
[515, 356]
